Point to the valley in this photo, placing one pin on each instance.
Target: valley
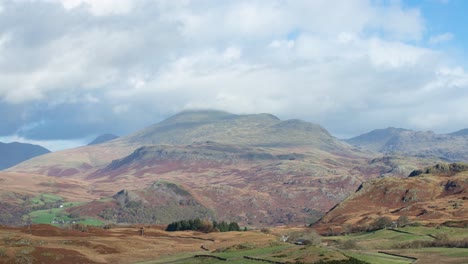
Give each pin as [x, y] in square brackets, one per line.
[273, 177]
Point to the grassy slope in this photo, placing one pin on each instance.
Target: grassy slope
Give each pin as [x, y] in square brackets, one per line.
[367, 245]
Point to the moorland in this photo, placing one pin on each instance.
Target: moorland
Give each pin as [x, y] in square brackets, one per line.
[299, 194]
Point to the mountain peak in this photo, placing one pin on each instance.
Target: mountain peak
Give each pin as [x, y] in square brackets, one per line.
[199, 116]
[194, 116]
[103, 138]
[263, 129]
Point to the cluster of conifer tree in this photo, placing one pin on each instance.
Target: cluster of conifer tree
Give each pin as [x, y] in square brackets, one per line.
[203, 226]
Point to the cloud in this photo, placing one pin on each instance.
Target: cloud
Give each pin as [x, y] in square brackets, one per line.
[101, 7]
[77, 68]
[445, 37]
[52, 145]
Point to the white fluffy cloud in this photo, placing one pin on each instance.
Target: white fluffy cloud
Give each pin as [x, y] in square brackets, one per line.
[115, 66]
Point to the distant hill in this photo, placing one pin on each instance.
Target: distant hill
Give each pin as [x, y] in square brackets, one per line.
[449, 147]
[14, 153]
[377, 139]
[263, 130]
[434, 195]
[103, 138]
[463, 132]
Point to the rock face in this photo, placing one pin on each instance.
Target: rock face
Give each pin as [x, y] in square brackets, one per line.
[442, 169]
[14, 153]
[209, 152]
[435, 195]
[103, 138]
[449, 147]
[162, 202]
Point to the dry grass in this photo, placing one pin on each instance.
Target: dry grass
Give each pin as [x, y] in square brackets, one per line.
[44, 243]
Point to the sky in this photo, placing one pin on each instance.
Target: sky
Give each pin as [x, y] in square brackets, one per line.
[73, 69]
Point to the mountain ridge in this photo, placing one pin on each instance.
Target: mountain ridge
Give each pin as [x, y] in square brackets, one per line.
[102, 138]
[451, 147]
[223, 127]
[15, 153]
[185, 128]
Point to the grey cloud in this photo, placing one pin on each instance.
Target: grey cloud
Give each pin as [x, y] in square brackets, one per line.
[12, 118]
[72, 71]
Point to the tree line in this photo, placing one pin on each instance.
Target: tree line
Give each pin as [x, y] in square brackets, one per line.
[203, 226]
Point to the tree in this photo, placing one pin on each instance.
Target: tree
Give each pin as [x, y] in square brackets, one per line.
[382, 222]
[202, 226]
[233, 226]
[402, 221]
[206, 226]
[223, 227]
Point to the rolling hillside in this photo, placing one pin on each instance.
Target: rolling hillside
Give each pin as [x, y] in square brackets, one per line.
[435, 195]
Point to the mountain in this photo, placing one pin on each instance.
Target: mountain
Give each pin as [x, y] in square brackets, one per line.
[14, 153]
[463, 132]
[432, 196]
[102, 138]
[449, 147]
[263, 130]
[260, 130]
[253, 169]
[377, 139]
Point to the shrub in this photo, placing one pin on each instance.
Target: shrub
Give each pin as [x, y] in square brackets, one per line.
[402, 221]
[80, 227]
[349, 244]
[308, 237]
[206, 226]
[444, 242]
[108, 226]
[442, 237]
[382, 222]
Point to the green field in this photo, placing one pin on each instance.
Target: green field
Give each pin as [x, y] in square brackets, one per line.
[365, 246]
[378, 258]
[275, 252]
[388, 239]
[371, 247]
[46, 198]
[57, 215]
